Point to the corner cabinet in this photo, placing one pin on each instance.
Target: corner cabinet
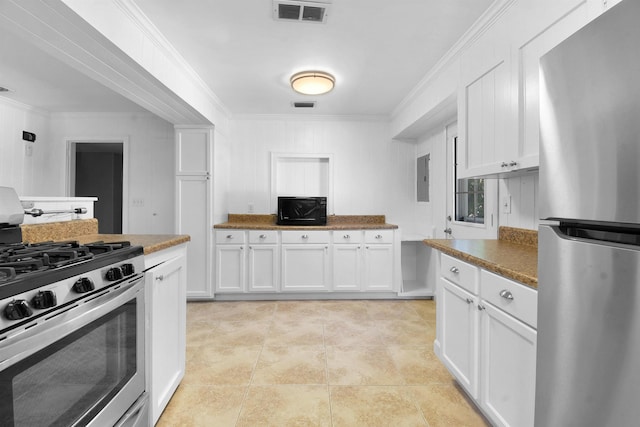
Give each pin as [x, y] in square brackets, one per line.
[166, 284]
[486, 337]
[320, 262]
[194, 155]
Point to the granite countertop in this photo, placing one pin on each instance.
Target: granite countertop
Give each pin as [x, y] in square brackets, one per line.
[86, 231]
[334, 222]
[513, 255]
[150, 242]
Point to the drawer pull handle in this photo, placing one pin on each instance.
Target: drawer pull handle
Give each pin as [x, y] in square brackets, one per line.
[304, 236]
[378, 236]
[454, 270]
[506, 294]
[481, 307]
[346, 236]
[160, 278]
[263, 236]
[229, 236]
[469, 301]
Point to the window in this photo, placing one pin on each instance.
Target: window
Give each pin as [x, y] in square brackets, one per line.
[469, 196]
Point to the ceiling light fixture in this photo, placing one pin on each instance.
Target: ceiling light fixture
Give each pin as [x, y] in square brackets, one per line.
[312, 82]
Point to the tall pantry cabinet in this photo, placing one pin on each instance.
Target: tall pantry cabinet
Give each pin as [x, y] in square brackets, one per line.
[194, 160]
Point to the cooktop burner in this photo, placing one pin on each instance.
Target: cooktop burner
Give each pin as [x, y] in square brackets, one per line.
[29, 265]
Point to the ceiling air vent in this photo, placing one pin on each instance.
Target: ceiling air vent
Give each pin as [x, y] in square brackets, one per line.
[301, 11]
[308, 104]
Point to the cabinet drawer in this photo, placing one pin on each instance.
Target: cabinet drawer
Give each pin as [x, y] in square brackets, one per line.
[263, 236]
[230, 236]
[514, 298]
[311, 236]
[378, 236]
[460, 273]
[347, 236]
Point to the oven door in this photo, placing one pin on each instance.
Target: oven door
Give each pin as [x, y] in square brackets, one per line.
[84, 366]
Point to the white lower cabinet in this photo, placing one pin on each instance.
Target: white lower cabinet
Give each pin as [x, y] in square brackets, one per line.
[508, 368]
[347, 267]
[487, 340]
[460, 335]
[264, 261]
[166, 284]
[230, 261]
[305, 267]
[378, 260]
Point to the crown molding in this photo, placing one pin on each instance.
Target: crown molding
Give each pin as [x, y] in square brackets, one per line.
[312, 117]
[24, 107]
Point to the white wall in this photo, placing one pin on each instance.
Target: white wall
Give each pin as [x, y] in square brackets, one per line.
[373, 175]
[523, 192]
[151, 162]
[17, 168]
[430, 216]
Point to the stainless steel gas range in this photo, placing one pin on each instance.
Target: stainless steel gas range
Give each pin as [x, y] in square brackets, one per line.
[72, 333]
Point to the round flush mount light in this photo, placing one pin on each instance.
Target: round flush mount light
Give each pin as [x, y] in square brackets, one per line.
[312, 82]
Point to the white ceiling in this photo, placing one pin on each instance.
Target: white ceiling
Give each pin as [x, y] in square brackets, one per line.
[378, 51]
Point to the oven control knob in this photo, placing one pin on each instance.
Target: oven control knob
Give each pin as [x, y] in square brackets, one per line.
[17, 309]
[114, 273]
[83, 285]
[44, 299]
[128, 269]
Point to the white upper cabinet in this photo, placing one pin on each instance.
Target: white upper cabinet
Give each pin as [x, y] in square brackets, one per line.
[498, 108]
[486, 101]
[540, 29]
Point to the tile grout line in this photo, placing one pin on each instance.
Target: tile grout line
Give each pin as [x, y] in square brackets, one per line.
[253, 370]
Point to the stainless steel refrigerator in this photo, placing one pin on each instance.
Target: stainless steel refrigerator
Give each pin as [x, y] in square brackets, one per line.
[588, 361]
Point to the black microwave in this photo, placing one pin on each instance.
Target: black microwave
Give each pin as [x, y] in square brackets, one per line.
[302, 211]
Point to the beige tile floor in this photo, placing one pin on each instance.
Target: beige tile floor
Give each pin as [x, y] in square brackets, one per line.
[315, 363]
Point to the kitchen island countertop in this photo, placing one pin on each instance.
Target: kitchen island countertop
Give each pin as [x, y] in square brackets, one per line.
[505, 256]
[86, 231]
[150, 242]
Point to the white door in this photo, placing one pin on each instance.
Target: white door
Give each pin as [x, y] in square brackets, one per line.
[471, 213]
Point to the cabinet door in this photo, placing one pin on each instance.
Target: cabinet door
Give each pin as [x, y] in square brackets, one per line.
[263, 268]
[347, 267]
[378, 264]
[305, 267]
[230, 265]
[543, 31]
[508, 368]
[193, 151]
[167, 301]
[192, 217]
[459, 339]
[486, 131]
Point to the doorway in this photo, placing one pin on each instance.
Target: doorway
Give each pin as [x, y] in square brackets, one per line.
[96, 169]
[471, 203]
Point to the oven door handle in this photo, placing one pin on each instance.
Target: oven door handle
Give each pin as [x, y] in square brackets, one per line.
[51, 329]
